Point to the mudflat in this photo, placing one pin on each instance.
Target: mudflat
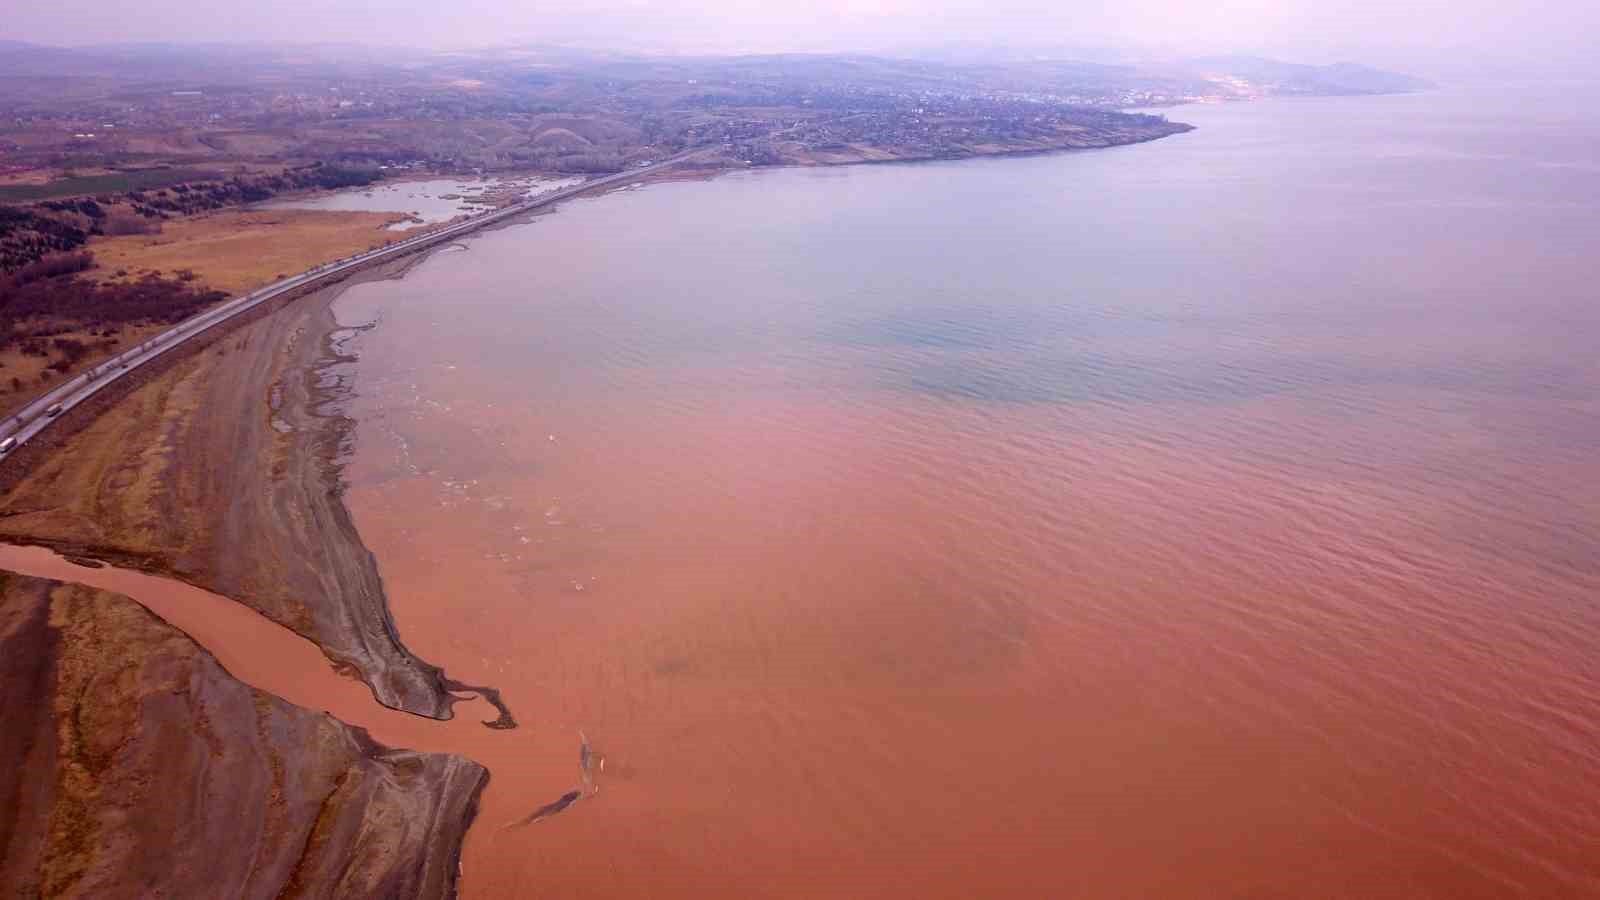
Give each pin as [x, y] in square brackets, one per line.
[133, 764]
[222, 468]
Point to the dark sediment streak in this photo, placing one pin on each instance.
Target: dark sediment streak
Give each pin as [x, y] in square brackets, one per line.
[549, 809]
[587, 758]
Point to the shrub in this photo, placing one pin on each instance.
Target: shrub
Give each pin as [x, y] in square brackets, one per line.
[120, 222]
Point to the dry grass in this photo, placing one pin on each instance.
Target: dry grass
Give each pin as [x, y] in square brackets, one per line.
[238, 250]
[42, 176]
[27, 369]
[114, 484]
[259, 143]
[232, 250]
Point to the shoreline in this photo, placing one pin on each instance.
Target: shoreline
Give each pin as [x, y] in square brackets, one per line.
[970, 459]
[278, 490]
[277, 406]
[512, 176]
[321, 408]
[246, 449]
[305, 776]
[416, 228]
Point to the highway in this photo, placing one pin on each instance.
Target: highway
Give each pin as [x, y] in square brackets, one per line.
[28, 422]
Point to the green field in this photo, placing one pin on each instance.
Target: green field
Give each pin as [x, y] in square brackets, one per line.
[115, 182]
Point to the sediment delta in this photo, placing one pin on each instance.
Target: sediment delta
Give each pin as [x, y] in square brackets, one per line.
[892, 566]
[133, 764]
[222, 469]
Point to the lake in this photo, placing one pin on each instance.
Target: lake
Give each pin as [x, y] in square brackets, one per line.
[1218, 516]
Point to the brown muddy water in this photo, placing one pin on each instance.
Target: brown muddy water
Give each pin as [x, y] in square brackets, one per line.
[261, 653]
[1214, 517]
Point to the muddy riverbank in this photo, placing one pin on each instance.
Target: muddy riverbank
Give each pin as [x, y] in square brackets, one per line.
[134, 764]
[223, 470]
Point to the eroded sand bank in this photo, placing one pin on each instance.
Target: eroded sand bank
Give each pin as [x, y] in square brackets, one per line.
[223, 469]
[133, 764]
[422, 812]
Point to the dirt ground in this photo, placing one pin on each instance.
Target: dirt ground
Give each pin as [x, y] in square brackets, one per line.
[171, 778]
[237, 445]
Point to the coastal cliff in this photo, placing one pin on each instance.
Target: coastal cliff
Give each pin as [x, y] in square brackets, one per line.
[133, 765]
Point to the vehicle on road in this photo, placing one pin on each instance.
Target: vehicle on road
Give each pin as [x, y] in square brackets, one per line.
[6, 445]
[54, 410]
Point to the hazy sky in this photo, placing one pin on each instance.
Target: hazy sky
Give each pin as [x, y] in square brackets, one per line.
[1313, 29]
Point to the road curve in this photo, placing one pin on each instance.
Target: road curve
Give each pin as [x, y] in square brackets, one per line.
[28, 422]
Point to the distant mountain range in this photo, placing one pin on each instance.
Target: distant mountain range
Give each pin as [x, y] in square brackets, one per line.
[1017, 71]
[1291, 78]
[112, 110]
